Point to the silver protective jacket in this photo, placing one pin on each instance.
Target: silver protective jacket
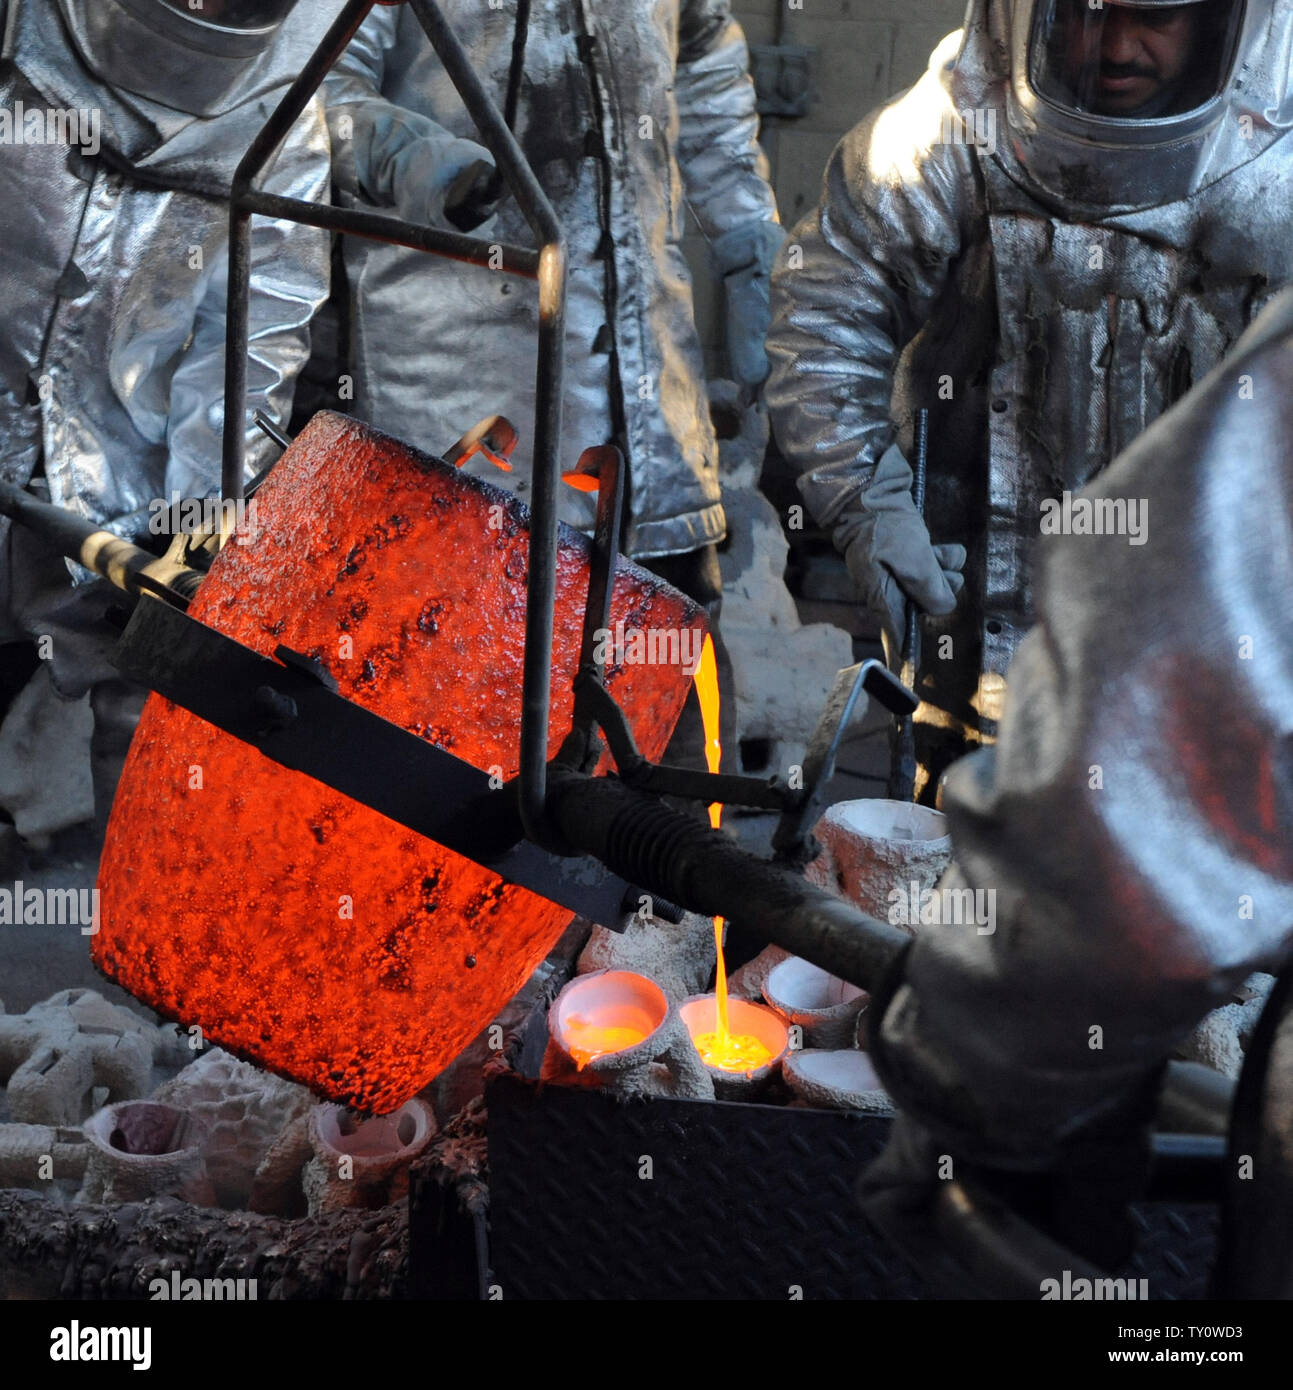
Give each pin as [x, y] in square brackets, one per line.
[1132, 823]
[654, 96]
[113, 268]
[1042, 336]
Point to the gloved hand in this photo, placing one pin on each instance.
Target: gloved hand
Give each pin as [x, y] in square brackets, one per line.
[1073, 1183]
[897, 1193]
[744, 257]
[438, 176]
[473, 196]
[887, 548]
[389, 157]
[434, 174]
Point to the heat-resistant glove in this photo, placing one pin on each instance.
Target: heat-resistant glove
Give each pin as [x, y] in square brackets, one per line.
[392, 158]
[472, 198]
[888, 551]
[1074, 1187]
[744, 257]
[440, 178]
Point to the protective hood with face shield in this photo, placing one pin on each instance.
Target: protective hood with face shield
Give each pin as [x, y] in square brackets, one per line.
[113, 257]
[158, 70]
[197, 56]
[1133, 103]
[1045, 242]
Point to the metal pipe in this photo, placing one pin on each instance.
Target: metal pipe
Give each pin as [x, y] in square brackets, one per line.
[233, 454]
[541, 593]
[377, 226]
[271, 431]
[609, 465]
[238, 303]
[498, 139]
[131, 569]
[685, 861]
[542, 580]
[548, 264]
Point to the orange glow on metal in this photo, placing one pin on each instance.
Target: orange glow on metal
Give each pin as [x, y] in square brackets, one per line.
[581, 482]
[586, 1040]
[496, 459]
[720, 1048]
[298, 928]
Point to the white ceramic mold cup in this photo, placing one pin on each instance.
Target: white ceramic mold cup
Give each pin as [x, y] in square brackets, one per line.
[823, 1007]
[879, 853]
[700, 1015]
[140, 1149]
[363, 1163]
[837, 1080]
[648, 1051]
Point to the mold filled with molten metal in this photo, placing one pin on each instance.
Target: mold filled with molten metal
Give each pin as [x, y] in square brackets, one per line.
[298, 928]
[586, 1041]
[721, 1048]
[605, 1012]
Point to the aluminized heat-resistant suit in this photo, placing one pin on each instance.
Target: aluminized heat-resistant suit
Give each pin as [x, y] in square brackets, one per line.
[624, 111]
[1137, 906]
[1130, 827]
[112, 271]
[114, 284]
[1043, 291]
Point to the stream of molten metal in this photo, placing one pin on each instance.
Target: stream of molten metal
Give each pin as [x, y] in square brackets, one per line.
[740, 1052]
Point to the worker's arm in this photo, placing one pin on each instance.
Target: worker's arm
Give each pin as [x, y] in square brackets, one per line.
[1130, 830]
[387, 155]
[724, 169]
[289, 281]
[854, 283]
[725, 174]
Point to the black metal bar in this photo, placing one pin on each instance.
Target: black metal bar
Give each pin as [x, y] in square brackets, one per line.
[685, 861]
[903, 785]
[792, 840]
[594, 704]
[238, 307]
[289, 713]
[549, 266]
[541, 594]
[499, 140]
[663, 779]
[233, 459]
[132, 570]
[606, 464]
[542, 581]
[378, 226]
[271, 431]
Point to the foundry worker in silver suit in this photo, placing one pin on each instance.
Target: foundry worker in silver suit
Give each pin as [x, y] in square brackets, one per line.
[1063, 225]
[624, 110]
[1133, 820]
[127, 119]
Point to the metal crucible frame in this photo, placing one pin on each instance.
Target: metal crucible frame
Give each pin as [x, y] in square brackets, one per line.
[547, 265]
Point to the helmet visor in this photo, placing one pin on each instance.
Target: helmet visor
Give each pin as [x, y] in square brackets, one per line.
[1133, 61]
[234, 14]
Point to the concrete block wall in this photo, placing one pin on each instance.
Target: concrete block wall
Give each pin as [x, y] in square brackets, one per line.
[865, 52]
